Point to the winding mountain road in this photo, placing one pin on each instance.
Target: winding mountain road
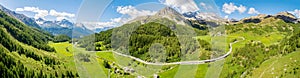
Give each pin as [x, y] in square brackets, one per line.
[183, 62]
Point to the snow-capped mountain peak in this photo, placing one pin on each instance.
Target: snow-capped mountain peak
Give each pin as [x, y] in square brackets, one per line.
[62, 23]
[40, 21]
[65, 23]
[203, 16]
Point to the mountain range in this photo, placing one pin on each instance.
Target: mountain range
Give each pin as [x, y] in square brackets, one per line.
[64, 27]
[285, 16]
[54, 27]
[26, 20]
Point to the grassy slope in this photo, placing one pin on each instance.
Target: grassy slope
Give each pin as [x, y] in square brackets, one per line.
[270, 36]
[121, 62]
[279, 66]
[201, 69]
[64, 54]
[65, 51]
[34, 64]
[87, 69]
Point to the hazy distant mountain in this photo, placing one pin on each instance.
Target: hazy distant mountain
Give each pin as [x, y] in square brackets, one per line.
[64, 27]
[28, 21]
[54, 27]
[48, 24]
[102, 29]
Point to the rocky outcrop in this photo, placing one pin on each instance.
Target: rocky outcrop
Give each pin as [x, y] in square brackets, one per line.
[252, 20]
[285, 16]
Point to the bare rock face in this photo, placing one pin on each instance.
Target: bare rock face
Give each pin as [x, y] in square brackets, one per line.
[252, 20]
[286, 17]
[166, 12]
[171, 14]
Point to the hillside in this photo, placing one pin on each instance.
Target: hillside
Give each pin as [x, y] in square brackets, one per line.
[164, 27]
[24, 33]
[266, 37]
[26, 20]
[25, 52]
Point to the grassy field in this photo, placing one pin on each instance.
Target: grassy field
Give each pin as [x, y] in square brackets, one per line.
[88, 63]
[121, 61]
[106, 56]
[267, 39]
[66, 51]
[200, 71]
[148, 70]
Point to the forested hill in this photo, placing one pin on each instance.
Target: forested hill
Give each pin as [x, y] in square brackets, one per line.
[24, 33]
[162, 28]
[24, 52]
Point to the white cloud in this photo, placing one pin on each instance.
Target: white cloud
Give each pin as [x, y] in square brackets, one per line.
[95, 25]
[296, 12]
[39, 13]
[206, 7]
[182, 5]
[230, 8]
[120, 20]
[105, 24]
[60, 15]
[60, 18]
[252, 11]
[112, 23]
[19, 9]
[202, 4]
[241, 9]
[133, 12]
[43, 13]
[226, 16]
[116, 19]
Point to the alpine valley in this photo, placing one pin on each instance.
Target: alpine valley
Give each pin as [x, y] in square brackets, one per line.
[166, 44]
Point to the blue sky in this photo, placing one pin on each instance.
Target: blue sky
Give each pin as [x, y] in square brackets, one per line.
[108, 12]
[68, 6]
[263, 6]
